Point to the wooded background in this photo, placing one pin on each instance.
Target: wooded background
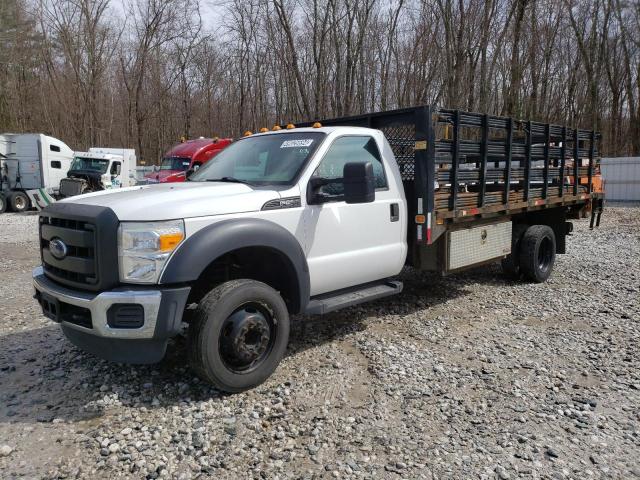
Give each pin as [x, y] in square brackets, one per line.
[143, 73]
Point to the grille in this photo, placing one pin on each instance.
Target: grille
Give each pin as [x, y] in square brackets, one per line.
[401, 138]
[79, 266]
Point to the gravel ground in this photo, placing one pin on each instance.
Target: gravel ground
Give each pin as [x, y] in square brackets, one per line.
[463, 377]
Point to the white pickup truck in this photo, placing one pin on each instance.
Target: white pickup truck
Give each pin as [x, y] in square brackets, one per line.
[293, 221]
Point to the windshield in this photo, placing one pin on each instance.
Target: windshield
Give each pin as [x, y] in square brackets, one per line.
[92, 164]
[262, 160]
[175, 163]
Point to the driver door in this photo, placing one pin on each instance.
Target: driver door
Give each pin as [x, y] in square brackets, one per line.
[352, 244]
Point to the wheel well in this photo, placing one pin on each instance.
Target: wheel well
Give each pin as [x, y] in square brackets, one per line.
[554, 218]
[264, 264]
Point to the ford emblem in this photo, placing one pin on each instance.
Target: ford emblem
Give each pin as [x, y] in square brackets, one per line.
[58, 248]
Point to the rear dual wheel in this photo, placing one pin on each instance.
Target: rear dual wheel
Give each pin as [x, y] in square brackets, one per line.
[238, 335]
[19, 202]
[533, 253]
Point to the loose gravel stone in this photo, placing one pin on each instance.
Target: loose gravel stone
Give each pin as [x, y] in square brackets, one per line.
[5, 450]
[467, 376]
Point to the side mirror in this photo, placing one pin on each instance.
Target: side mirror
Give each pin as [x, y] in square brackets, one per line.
[118, 169]
[359, 183]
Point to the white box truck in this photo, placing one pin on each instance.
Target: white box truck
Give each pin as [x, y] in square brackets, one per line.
[30, 161]
[99, 169]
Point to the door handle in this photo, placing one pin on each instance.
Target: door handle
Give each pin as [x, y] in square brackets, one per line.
[395, 212]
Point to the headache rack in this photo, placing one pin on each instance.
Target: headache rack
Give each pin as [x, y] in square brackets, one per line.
[461, 166]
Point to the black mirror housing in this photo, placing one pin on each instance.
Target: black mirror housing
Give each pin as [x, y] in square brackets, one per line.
[359, 182]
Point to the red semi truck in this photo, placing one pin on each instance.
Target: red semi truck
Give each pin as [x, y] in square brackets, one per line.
[185, 157]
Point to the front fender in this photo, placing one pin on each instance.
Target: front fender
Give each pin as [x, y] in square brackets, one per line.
[197, 252]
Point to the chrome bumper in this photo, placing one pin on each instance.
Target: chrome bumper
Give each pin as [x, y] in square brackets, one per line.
[99, 304]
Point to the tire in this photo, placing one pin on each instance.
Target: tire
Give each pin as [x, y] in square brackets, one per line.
[19, 202]
[511, 263]
[238, 335]
[3, 203]
[537, 253]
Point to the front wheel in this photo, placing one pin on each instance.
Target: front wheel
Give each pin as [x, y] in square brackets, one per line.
[238, 335]
[3, 203]
[537, 253]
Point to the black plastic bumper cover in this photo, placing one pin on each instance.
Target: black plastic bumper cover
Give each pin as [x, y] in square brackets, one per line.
[137, 351]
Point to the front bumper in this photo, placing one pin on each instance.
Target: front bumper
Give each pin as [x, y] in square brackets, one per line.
[87, 319]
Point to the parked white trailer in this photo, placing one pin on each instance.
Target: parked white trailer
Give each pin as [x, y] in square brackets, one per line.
[30, 161]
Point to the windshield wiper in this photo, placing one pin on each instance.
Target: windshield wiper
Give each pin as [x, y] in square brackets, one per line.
[229, 180]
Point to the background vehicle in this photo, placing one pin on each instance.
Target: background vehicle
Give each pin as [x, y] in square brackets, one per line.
[186, 156]
[308, 220]
[99, 169]
[30, 161]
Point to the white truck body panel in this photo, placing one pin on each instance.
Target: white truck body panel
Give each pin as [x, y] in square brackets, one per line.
[33, 160]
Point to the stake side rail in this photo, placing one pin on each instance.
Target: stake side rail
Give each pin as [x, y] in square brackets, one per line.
[457, 164]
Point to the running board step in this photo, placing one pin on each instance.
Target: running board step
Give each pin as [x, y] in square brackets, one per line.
[353, 296]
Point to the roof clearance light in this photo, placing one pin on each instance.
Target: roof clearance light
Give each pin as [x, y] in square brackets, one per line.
[276, 128]
[183, 139]
[247, 133]
[290, 126]
[264, 129]
[317, 125]
[215, 139]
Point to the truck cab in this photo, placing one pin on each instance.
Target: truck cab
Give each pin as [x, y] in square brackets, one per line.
[30, 161]
[300, 221]
[185, 158]
[99, 169]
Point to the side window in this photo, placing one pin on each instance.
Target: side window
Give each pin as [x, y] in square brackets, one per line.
[115, 168]
[54, 148]
[345, 150]
[56, 164]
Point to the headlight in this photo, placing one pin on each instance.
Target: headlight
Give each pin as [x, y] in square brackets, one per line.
[144, 247]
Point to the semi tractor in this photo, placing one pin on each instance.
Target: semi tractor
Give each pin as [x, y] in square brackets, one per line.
[308, 219]
[185, 158]
[30, 161]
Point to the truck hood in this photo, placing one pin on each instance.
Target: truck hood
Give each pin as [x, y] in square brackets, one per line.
[166, 201]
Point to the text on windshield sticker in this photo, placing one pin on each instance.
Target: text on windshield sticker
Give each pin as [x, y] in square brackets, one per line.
[305, 142]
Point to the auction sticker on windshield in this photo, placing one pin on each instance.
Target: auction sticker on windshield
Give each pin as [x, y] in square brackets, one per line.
[304, 142]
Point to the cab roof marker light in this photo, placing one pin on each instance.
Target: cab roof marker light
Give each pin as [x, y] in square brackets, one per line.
[247, 133]
[290, 126]
[264, 129]
[276, 128]
[317, 125]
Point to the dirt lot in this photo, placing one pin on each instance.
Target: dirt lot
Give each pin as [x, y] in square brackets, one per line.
[462, 377]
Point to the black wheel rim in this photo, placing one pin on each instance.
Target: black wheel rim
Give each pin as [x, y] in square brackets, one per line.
[247, 337]
[545, 254]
